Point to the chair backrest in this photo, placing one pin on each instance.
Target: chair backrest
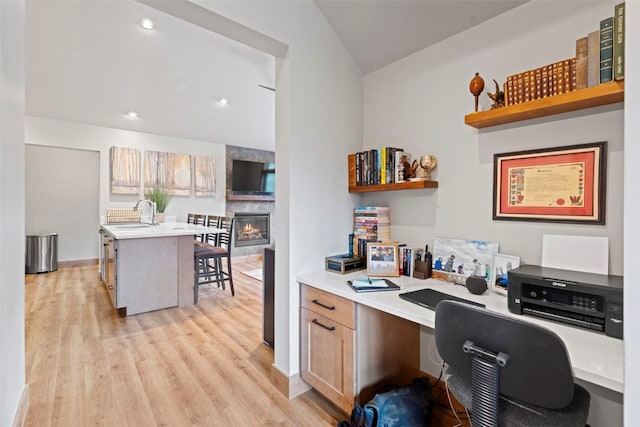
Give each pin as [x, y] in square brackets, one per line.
[538, 370]
[225, 239]
[198, 219]
[212, 221]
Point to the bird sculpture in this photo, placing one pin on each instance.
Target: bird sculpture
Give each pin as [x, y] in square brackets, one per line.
[497, 97]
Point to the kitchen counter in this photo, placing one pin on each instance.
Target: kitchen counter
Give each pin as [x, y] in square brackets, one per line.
[142, 230]
[151, 267]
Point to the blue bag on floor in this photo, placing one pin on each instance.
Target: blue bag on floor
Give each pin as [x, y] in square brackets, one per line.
[409, 406]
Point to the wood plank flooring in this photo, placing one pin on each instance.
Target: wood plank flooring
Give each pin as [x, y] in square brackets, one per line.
[203, 365]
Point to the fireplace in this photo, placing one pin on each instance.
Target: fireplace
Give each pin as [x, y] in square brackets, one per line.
[252, 229]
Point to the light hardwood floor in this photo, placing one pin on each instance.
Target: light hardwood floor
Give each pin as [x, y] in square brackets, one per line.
[203, 365]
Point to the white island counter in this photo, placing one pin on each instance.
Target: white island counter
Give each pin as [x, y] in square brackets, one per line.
[150, 267]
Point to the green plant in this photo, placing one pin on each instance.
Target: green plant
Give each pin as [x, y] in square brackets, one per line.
[160, 196]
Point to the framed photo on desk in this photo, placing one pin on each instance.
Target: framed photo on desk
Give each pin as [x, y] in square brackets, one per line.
[382, 259]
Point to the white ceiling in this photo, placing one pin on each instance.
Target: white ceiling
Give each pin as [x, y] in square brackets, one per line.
[91, 62]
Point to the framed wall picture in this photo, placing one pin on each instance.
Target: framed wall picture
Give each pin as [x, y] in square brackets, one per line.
[382, 259]
[562, 184]
[502, 264]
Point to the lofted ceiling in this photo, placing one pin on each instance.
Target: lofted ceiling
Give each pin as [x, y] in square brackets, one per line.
[92, 62]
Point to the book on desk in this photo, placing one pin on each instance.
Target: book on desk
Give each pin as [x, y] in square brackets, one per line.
[372, 285]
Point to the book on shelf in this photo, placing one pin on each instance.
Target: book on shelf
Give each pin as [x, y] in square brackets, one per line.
[581, 62]
[618, 42]
[593, 58]
[606, 50]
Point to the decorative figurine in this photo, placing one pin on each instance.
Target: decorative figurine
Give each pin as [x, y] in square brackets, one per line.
[476, 86]
[498, 97]
[428, 163]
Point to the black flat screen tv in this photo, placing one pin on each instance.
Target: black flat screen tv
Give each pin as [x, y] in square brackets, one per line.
[253, 178]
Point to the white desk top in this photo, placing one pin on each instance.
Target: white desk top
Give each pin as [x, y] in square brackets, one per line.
[596, 358]
[168, 229]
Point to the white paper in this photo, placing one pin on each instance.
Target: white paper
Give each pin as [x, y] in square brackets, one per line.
[579, 253]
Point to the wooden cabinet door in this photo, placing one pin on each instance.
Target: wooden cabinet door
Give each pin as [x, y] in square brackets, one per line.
[327, 358]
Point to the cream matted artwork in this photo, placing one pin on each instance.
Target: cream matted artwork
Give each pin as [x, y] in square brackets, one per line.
[205, 173]
[168, 170]
[125, 170]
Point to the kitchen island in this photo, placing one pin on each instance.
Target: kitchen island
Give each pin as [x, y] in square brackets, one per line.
[150, 267]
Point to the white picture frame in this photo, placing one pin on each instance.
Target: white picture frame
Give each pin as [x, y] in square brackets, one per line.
[502, 264]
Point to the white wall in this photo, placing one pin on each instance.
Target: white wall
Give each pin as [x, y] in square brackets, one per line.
[318, 123]
[57, 133]
[61, 196]
[632, 215]
[430, 99]
[419, 103]
[12, 240]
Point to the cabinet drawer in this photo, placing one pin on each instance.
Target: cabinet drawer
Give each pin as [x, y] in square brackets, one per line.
[329, 305]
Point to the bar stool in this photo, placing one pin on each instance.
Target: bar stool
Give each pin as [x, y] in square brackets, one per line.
[208, 259]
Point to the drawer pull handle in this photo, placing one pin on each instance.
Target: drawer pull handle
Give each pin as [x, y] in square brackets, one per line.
[332, 328]
[315, 301]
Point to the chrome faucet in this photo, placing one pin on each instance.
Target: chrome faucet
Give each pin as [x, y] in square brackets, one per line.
[152, 205]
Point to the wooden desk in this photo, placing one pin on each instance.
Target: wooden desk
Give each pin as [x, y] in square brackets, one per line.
[595, 357]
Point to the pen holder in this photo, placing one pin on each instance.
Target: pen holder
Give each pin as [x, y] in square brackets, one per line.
[422, 270]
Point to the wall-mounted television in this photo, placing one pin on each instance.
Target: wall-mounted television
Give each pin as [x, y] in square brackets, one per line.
[253, 178]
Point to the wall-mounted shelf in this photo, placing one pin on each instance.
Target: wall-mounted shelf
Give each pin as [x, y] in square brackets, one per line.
[408, 185]
[602, 94]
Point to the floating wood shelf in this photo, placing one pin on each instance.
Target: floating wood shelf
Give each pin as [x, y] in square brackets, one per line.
[602, 94]
[408, 185]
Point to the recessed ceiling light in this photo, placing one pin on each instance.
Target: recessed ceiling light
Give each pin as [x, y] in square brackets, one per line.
[132, 114]
[147, 24]
[223, 101]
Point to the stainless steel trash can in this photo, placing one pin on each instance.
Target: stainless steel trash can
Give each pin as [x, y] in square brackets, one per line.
[42, 253]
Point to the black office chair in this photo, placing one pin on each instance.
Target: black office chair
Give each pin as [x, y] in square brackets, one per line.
[506, 371]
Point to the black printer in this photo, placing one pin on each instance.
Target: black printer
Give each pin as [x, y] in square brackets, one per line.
[591, 301]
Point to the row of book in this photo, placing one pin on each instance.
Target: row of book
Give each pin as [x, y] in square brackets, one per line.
[600, 54]
[384, 165]
[552, 79]
[599, 59]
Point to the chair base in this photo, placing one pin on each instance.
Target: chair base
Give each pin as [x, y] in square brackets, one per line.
[513, 413]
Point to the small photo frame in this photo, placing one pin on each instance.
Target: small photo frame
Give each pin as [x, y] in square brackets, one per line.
[502, 264]
[382, 259]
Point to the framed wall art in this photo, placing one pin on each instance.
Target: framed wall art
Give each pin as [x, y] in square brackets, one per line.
[125, 170]
[562, 184]
[382, 259]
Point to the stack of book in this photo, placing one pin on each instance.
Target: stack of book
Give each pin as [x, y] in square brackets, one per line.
[377, 166]
[370, 224]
